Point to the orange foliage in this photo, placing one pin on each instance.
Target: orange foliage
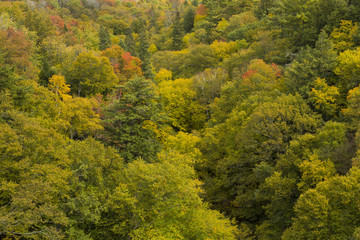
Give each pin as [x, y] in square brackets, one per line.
[107, 2]
[17, 51]
[57, 21]
[201, 10]
[131, 65]
[125, 66]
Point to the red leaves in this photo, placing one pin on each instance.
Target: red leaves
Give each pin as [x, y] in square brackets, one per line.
[57, 21]
[124, 65]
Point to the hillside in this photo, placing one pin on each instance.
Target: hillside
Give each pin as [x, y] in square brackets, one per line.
[170, 119]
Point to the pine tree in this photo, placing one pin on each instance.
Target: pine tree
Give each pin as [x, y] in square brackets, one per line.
[176, 34]
[144, 55]
[130, 42]
[127, 121]
[104, 36]
[189, 17]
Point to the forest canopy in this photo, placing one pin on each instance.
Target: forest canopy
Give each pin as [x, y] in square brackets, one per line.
[179, 119]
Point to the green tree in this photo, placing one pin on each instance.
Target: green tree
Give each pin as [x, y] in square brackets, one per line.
[325, 98]
[348, 69]
[198, 59]
[310, 64]
[328, 211]
[189, 17]
[261, 135]
[177, 33]
[130, 42]
[127, 121]
[144, 55]
[89, 75]
[104, 37]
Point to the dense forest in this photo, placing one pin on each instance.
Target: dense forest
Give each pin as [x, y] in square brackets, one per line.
[178, 119]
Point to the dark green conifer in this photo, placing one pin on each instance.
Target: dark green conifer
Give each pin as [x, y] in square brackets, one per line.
[144, 55]
[130, 42]
[104, 36]
[176, 34]
[189, 17]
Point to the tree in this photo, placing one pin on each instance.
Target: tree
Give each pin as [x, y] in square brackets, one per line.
[330, 209]
[89, 75]
[325, 98]
[128, 119]
[310, 64]
[176, 34]
[237, 168]
[80, 118]
[144, 55]
[178, 98]
[343, 36]
[18, 51]
[189, 17]
[198, 59]
[58, 85]
[104, 37]
[308, 17]
[125, 66]
[348, 69]
[130, 42]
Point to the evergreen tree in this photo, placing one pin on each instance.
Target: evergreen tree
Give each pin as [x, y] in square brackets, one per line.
[130, 42]
[104, 36]
[176, 34]
[189, 17]
[122, 44]
[144, 55]
[127, 121]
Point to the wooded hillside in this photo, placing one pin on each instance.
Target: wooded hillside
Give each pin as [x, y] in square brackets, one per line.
[176, 119]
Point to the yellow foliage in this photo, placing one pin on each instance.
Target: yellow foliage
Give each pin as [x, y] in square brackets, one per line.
[343, 37]
[222, 25]
[57, 84]
[223, 49]
[153, 48]
[324, 97]
[199, 18]
[163, 75]
[178, 99]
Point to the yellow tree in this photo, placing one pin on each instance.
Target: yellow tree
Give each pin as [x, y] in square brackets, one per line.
[324, 98]
[178, 98]
[57, 84]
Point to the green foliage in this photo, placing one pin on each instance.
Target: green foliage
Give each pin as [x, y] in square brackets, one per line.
[330, 209]
[104, 37]
[231, 104]
[261, 134]
[128, 119]
[176, 34]
[90, 75]
[343, 37]
[189, 17]
[347, 69]
[310, 64]
[178, 98]
[144, 55]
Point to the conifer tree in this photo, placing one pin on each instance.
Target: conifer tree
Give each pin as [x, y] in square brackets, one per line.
[127, 121]
[104, 36]
[144, 55]
[176, 34]
[189, 17]
[130, 42]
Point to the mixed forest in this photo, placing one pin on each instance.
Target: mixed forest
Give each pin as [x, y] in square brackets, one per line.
[179, 119]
